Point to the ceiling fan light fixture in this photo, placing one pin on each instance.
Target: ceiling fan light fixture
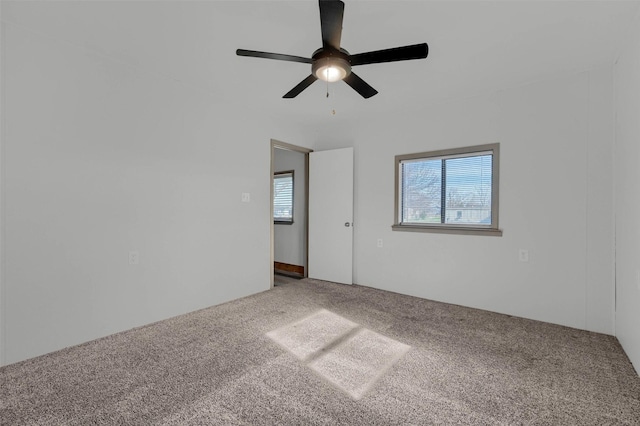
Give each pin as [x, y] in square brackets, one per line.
[331, 73]
[331, 69]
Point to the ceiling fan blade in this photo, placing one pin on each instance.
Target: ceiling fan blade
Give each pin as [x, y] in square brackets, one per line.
[300, 87]
[360, 86]
[331, 13]
[278, 56]
[405, 53]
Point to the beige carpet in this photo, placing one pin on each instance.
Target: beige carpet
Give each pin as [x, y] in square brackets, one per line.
[317, 353]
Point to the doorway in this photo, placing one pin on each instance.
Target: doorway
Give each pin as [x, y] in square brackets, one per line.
[289, 212]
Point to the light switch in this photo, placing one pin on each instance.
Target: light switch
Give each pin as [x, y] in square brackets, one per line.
[523, 255]
[246, 197]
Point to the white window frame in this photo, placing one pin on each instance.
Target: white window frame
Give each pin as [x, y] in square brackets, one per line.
[450, 228]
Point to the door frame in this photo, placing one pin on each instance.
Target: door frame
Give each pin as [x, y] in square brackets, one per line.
[276, 144]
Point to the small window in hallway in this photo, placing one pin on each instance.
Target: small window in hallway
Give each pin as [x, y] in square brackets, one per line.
[283, 197]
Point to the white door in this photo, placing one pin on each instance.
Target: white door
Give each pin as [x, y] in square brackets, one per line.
[331, 215]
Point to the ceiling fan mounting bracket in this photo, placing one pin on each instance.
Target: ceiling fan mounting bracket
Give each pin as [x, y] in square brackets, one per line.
[328, 52]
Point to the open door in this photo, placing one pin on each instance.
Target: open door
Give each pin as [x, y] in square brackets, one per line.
[301, 200]
[331, 215]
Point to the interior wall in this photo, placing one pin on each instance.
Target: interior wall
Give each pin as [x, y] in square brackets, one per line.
[102, 158]
[290, 240]
[627, 195]
[554, 138]
[2, 180]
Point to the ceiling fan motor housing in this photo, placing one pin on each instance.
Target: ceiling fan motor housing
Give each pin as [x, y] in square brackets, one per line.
[330, 58]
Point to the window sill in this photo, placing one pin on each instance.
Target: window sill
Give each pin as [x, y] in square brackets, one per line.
[283, 222]
[492, 232]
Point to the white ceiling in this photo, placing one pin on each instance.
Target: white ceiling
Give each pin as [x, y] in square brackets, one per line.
[474, 46]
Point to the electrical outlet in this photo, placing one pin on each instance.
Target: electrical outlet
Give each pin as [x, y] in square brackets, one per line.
[523, 255]
[379, 242]
[134, 257]
[246, 197]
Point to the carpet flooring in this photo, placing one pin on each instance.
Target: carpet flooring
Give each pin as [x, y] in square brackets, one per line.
[384, 358]
[279, 279]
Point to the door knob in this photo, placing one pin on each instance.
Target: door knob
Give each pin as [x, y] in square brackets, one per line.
[347, 224]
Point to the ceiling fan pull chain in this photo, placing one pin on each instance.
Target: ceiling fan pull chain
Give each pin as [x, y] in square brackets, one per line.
[327, 83]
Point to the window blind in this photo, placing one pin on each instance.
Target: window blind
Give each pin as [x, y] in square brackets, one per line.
[448, 190]
[283, 197]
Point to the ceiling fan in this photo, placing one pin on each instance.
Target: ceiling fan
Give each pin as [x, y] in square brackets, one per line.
[331, 62]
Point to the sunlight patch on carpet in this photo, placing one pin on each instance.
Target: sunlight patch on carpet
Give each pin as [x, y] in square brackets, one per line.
[350, 357]
[359, 362]
[310, 335]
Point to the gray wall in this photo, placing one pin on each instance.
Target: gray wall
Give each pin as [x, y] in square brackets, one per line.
[290, 240]
[101, 158]
[555, 158]
[627, 195]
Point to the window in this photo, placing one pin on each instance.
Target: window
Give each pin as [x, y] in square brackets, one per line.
[450, 191]
[283, 197]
